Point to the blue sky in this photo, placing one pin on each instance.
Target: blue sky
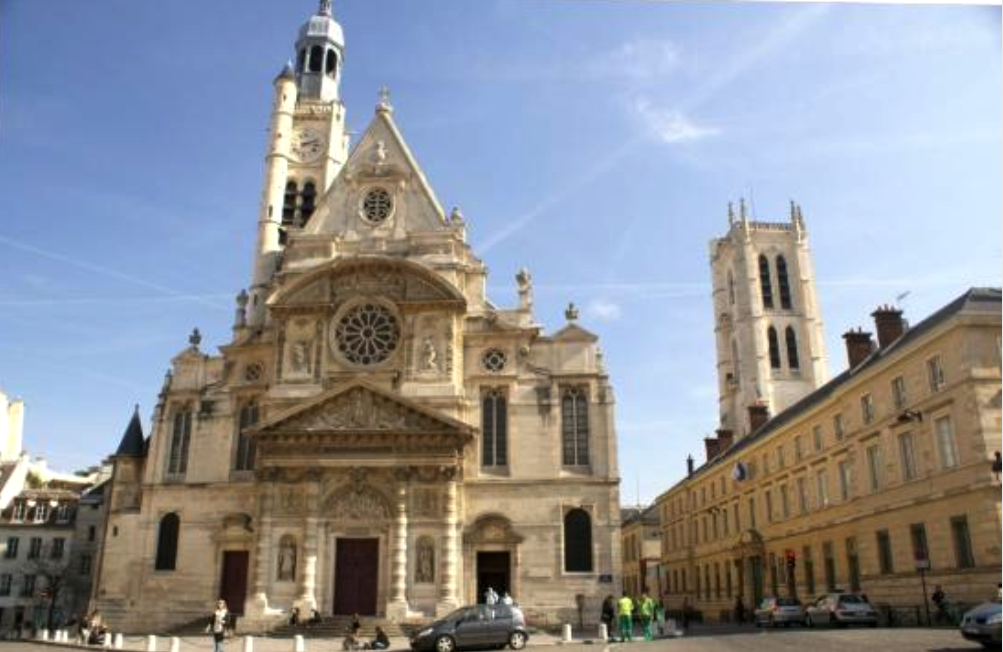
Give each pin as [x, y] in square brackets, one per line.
[596, 143]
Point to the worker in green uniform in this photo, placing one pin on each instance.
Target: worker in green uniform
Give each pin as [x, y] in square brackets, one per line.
[625, 608]
[647, 609]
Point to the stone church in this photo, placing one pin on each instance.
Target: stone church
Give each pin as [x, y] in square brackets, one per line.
[378, 437]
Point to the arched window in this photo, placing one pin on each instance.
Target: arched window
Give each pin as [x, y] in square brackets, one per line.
[494, 429]
[792, 349]
[301, 60]
[734, 359]
[308, 202]
[246, 447]
[177, 459]
[332, 62]
[731, 288]
[577, 541]
[765, 285]
[167, 542]
[771, 336]
[575, 426]
[783, 283]
[289, 204]
[316, 58]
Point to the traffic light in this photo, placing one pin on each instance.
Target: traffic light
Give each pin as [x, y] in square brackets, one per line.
[792, 559]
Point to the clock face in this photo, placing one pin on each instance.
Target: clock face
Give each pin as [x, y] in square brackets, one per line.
[307, 144]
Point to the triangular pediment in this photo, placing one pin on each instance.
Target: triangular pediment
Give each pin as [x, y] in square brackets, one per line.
[360, 408]
[380, 159]
[574, 333]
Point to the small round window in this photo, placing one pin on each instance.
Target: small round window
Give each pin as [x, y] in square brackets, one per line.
[493, 360]
[377, 205]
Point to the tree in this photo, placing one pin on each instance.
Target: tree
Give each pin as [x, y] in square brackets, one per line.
[53, 585]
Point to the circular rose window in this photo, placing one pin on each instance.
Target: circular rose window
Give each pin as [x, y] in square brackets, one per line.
[367, 334]
[493, 360]
[377, 205]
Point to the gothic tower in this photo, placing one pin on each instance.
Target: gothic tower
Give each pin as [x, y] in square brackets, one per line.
[770, 344]
[306, 149]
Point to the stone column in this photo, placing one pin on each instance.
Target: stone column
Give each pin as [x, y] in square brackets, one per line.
[448, 600]
[307, 598]
[398, 608]
[266, 501]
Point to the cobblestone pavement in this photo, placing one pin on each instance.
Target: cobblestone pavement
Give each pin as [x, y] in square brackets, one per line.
[698, 639]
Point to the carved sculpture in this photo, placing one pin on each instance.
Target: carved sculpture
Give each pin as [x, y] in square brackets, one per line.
[299, 357]
[424, 572]
[429, 356]
[287, 559]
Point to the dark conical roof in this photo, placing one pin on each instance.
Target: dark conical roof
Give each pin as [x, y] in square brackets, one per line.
[132, 441]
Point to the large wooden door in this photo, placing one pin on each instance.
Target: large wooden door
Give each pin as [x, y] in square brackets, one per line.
[233, 583]
[356, 569]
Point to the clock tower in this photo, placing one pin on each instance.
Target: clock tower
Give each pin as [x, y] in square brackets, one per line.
[307, 146]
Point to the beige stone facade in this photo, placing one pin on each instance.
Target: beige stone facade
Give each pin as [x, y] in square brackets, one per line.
[641, 550]
[889, 463]
[378, 437]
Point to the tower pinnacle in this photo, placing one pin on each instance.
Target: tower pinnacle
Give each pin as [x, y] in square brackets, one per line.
[325, 8]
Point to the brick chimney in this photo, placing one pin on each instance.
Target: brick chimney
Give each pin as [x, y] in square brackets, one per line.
[889, 324]
[689, 465]
[759, 413]
[725, 439]
[859, 345]
[712, 446]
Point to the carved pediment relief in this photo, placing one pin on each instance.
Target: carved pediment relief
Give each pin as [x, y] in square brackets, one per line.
[492, 528]
[357, 504]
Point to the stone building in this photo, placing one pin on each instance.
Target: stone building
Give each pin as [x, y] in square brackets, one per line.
[641, 550]
[378, 436]
[887, 467]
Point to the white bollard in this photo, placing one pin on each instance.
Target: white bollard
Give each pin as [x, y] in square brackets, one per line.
[175, 644]
[64, 635]
[298, 644]
[566, 633]
[119, 641]
[106, 641]
[248, 644]
[43, 634]
[151, 643]
[603, 632]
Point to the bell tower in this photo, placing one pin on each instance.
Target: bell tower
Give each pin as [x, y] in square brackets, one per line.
[768, 326]
[307, 146]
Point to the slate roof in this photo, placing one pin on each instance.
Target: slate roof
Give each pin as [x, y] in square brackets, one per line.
[133, 443]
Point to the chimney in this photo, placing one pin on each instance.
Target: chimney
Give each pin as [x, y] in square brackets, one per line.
[689, 465]
[889, 324]
[725, 439]
[712, 446]
[859, 345]
[759, 413]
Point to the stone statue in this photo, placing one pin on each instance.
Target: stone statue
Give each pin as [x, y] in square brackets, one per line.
[287, 560]
[429, 356]
[425, 571]
[300, 356]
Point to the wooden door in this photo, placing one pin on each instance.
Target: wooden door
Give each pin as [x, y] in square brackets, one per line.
[233, 583]
[356, 569]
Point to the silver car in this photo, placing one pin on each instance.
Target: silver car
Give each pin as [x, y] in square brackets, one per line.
[779, 611]
[841, 609]
[982, 624]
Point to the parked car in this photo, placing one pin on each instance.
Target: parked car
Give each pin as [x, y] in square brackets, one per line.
[841, 609]
[982, 624]
[779, 611]
[480, 626]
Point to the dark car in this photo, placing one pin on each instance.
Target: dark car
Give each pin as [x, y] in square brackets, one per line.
[982, 624]
[481, 626]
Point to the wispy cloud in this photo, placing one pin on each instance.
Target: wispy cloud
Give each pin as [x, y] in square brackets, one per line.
[671, 126]
[604, 309]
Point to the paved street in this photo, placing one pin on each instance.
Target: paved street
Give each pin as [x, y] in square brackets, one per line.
[705, 639]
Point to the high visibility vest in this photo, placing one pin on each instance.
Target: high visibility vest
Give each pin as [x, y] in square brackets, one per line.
[626, 606]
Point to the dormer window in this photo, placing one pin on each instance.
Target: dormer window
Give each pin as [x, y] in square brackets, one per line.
[41, 512]
[63, 513]
[17, 513]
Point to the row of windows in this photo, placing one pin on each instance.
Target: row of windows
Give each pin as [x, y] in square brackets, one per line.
[298, 203]
[574, 427]
[39, 511]
[56, 549]
[181, 433]
[791, 345]
[766, 284]
[780, 575]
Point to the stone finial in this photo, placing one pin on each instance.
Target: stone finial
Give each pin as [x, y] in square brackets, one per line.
[383, 104]
[240, 317]
[325, 9]
[571, 312]
[195, 338]
[742, 213]
[600, 361]
[525, 282]
[456, 217]
[794, 212]
[731, 213]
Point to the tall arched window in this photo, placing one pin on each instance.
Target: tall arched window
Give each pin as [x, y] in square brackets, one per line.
[289, 204]
[167, 542]
[783, 283]
[177, 459]
[575, 426]
[771, 336]
[494, 428]
[765, 285]
[577, 541]
[246, 447]
[316, 58]
[308, 202]
[332, 62]
[301, 60]
[734, 359]
[792, 349]
[731, 288]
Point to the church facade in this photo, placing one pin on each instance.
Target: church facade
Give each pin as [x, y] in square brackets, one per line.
[378, 437]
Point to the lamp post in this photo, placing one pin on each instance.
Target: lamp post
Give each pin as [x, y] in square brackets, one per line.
[923, 565]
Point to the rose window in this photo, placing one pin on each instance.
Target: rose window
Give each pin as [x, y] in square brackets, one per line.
[493, 360]
[377, 205]
[367, 334]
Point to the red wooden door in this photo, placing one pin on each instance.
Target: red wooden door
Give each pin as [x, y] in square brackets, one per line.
[233, 583]
[356, 567]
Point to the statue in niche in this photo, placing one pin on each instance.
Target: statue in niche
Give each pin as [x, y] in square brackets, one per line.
[425, 567]
[429, 356]
[299, 356]
[287, 559]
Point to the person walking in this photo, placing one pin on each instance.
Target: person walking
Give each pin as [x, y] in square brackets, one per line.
[940, 600]
[647, 610]
[507, 599]
[490, 597]
[625, 609]
[608, 614]
[739, 610]
[218, 621]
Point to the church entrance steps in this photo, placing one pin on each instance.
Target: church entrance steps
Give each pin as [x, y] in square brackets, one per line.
[339, 626]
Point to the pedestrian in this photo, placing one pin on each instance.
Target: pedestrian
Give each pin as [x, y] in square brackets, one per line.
[739, 610]
[356, 625]
[490, 597]
[381, 642]
[294, 617]
[217, 625]
[999, 592]
[686, 613]
[940, 600]
[625, 610]
[608, 614]
[507, 599]
[647, 610]
[660, 617]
